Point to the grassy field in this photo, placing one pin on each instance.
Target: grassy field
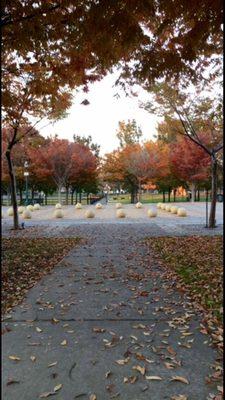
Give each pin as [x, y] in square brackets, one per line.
[147, 198]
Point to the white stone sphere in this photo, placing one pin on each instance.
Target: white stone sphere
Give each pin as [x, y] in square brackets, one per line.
[89, 214]
[181, 212]
[10, 212]
[168, 208]
[173, 209]
[159, 205]
[58, 213]
[118, 205]
[98, 206]
[78, 206]
[26, 214]
[120, 214]
[138, 205]
[152, 213]
[37, 206]
[58, 206]
[163, 206]
[21, 209]
[30, 208]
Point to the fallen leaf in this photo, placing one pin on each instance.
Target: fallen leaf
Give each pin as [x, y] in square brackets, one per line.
[92, 397]
[46, 394]
[14, 358]
[52, 364]
[64, 342]
[33, 358]
[98, 330]
[179, 397]
[122, 362]
[58, 387]
[38, 329]
[139, 369]
[11, 382]
[180, 379]
[153, 378]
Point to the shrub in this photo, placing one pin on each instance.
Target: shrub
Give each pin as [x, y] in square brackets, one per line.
[89, 214]
[120, 214]
[58, 213]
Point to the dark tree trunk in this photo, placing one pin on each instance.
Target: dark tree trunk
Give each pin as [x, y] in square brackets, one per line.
[164, 199]
[67, 196]
[21, 196]
[76, 196]
[87, 198]
[174, 195]
[32, 194]
[72, 197]
[13, 190]
[212, 215]
[80, 197]
[198, 195]
[169, 193]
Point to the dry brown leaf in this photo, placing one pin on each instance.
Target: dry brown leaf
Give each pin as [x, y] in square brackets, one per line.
[179, 397]
[169, 365]
[98, 330]
[46, 394]
[153, 378]
[123, 362]
[14, 358]
[93, 397]
[139, 369]
[64, 342]
[58, 387]
[180, 379]
[33, 358]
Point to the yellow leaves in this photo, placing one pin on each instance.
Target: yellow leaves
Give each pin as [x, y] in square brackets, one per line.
[58, 387]
[39, 330]
[180, 379]
[169, 365]
[93, 397]
[54, 392]
[33, 358]
[130, 379]
[14, 358]
[140, 369]
[64, 343]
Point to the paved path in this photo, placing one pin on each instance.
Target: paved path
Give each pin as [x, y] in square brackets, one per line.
[106, 301]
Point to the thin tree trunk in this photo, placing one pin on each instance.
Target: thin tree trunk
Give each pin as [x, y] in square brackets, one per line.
[32, 194]
[164, 196]
[174, 195]
[212, 215]
[80, 197]
[21, 196]
[169, 192]
[192, 192]
[67, 195]
[76, 196]
[13, 190]
[72, 192]
[59, 194]
[198, 195]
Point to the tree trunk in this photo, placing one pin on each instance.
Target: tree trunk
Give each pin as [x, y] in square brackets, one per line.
[169, 192]
[13, 190]
[80, 197]
[212, 215]
[21, 196]
[87, 198]
[164, 196]
[198, 195]
[174, 195]
[67, 195]
[76, 196]
[32, 194]
[192, 192]
[72, 192]
[59, 194]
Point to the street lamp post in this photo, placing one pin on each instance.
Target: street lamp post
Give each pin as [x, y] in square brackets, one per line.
[26, 174]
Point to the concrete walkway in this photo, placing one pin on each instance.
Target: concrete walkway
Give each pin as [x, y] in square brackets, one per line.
[106, 312]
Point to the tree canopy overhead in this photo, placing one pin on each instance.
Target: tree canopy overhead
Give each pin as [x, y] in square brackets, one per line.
[77, 41]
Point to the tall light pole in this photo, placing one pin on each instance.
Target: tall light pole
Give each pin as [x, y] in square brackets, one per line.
[26, 174]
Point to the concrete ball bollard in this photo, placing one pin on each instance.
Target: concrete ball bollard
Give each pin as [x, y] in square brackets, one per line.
[10, 212]
[26, 214]
[181, 212]
[168, 208]
[159, 205]
[163, 206]
[118, 206]
[138, 205]
[58, 206]
[58, 213]
[98, 206]
[152, 213]
[174, 210]
[21, 209]
[89, 214]
[30, 208]
[78, 206]
[37, 206]
[120, 214]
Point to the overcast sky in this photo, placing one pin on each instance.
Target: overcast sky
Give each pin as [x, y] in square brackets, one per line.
[100, 118]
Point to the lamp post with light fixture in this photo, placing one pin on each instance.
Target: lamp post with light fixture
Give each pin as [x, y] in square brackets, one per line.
[26, 174]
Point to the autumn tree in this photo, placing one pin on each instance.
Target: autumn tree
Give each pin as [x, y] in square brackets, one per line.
[200, 120]
[128, 133]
